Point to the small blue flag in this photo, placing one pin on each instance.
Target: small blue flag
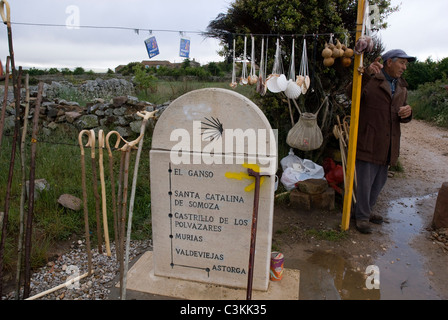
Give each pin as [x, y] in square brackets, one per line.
[184, 48]
[151, 46]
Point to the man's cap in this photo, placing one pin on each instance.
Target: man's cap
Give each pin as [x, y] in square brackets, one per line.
[397, 53]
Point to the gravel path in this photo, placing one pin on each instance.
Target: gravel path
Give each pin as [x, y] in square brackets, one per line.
[75, 263]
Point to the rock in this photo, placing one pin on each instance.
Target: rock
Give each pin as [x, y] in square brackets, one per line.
[312, 186]
[124, 131]
[136, 126]
[119, 101]
[440, 218]
[39, 186]
[71, 116]
[324, 200]
[305, 201]
[70, 202]
[88, 121]
[300, 200]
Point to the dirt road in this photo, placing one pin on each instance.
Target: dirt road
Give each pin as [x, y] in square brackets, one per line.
[410, 264]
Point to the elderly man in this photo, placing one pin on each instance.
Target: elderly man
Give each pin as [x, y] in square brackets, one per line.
[383, 108]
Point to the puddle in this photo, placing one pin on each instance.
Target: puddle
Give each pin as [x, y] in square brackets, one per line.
[402, 271]
[402, 275]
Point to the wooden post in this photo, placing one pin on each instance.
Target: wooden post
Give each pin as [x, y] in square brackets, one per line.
[356, 98]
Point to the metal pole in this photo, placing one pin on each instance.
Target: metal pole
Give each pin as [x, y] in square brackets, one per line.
[353, 139]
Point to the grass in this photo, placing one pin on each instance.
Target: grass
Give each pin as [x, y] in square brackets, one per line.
[170, 90]
[58, 162]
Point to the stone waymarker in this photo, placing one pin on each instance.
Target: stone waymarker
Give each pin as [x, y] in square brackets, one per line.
[201, 195]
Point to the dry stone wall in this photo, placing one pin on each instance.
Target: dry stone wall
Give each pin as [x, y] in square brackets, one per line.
[117, 113]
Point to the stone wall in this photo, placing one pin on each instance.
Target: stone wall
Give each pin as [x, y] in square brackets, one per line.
[117, 113]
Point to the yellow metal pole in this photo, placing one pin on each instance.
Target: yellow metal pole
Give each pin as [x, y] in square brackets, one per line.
[353, 139]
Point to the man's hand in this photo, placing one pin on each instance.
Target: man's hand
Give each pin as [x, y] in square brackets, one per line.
[405, 111]
[375, 67]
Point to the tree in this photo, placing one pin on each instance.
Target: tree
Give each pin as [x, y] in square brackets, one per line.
[296, 18]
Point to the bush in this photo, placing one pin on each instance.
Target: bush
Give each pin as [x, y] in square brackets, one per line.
[430, 102]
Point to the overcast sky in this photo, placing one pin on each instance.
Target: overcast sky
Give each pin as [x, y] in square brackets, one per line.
[419, 28]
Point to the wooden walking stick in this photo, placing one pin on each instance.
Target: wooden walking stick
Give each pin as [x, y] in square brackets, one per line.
[112, 183]
[23, 192]
[96, 195]
[103, 191]
[126, 152]
[146, 116]
[5, 101]
[84, 197]
[253, 238]
[29, 221]
[10, 175]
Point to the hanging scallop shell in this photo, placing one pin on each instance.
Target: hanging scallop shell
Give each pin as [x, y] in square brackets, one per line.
[282, 82]
[300, 80]
[243, 81]
[252, 79]
[271, 83]
[306, 84]
[293, 90]
[233, 85]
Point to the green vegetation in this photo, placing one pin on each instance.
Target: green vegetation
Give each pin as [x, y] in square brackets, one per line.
[430, 102]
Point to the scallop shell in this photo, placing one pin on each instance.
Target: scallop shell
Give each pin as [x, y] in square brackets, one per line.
[300, 80]
[243, 81]
[233, 85]
[282, 82]
[271, 83]
[293, 90]
[307, 82]
[252, 79]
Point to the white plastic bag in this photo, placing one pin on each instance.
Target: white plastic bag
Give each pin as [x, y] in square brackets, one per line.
[296, 169]
[291, 160]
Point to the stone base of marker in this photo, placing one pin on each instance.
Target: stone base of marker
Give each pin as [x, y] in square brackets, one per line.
[312, 194]
[141, 278]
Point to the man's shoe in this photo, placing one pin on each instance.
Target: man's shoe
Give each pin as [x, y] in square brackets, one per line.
[363, 226]
[377, 219]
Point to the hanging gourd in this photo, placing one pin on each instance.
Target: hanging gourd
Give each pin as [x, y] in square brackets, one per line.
[327, 52]
[293, 90]
[306, 135]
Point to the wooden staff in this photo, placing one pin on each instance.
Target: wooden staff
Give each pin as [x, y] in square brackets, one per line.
[29, 221]
[103, 191]
[146, 116]
[112, 183]
[5, 100]
[10, 174]
[96, 195]
[253, 238]
[23, 193]
[84, 197]
[125, 168]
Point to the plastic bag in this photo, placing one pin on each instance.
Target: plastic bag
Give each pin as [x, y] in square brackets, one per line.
[296, 169]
